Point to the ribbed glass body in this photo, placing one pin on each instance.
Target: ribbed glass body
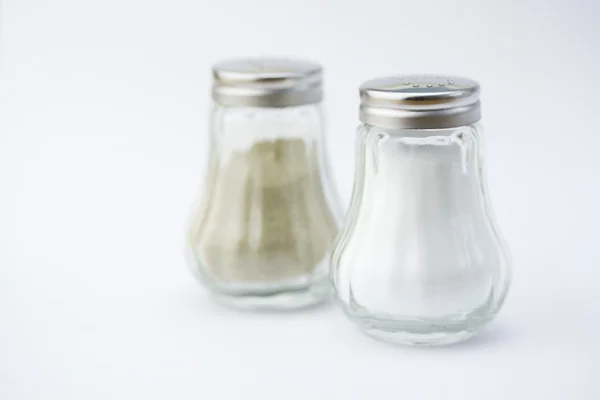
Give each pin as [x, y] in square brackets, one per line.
[261, 235]
[420, 260]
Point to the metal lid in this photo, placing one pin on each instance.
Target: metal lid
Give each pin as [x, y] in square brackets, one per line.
[420, 102]
[267, 82]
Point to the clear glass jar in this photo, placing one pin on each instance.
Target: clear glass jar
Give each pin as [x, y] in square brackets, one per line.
[420, 259]
[262, 234]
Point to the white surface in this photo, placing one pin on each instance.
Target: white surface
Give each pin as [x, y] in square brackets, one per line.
[102, 144]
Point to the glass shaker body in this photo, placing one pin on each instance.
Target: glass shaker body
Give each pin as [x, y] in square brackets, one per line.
[420, 260]
[262, 234]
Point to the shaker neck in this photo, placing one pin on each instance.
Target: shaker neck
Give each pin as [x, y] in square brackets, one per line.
[240, 128]
[472, 129]
[421, 154]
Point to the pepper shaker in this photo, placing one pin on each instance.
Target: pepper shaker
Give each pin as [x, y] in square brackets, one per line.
[261, 237]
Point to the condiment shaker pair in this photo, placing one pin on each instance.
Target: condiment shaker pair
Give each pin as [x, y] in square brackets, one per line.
[418, 258]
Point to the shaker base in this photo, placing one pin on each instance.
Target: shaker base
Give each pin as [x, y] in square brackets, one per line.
[421, 333]
[418, 339]
[293, 294]
[275, 299]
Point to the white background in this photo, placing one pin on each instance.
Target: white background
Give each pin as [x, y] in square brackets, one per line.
[103, 133]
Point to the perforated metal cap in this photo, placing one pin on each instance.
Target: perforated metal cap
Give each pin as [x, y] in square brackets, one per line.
[420, 102]
[267, 82]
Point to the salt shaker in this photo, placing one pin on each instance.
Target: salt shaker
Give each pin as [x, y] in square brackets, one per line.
[261, 236]
[420, 260]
